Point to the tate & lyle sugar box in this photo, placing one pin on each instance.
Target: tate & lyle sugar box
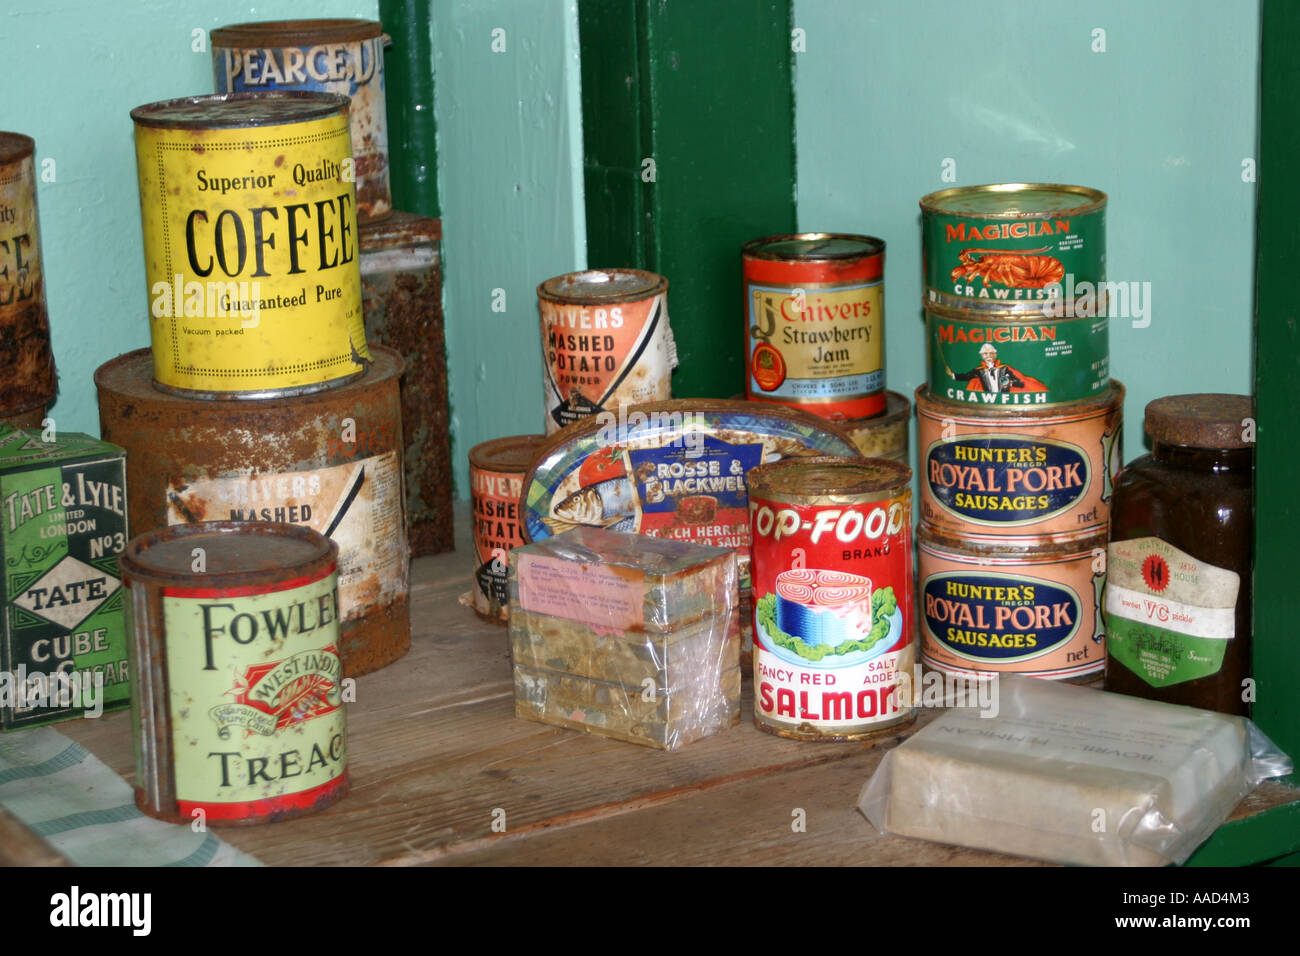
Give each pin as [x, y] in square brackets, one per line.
[63, 648]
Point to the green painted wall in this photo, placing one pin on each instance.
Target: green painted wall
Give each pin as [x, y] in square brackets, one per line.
[1012, 91]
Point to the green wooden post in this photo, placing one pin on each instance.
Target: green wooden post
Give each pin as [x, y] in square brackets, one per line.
[688, 127]
[408, 79]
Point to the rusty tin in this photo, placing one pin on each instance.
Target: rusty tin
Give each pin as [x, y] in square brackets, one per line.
[606, 343]
[250, 244]
[401, 290]
[815, 322]
[29, 382]
[1016, 474]
[496, 483]
[330, 460]
[323, 56]
[834, 640]
[884, 435]
[238, 704]
[1030, 609]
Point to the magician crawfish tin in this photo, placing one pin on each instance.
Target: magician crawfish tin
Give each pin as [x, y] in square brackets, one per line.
[606, 343]
[814, 322]
[1011, 246]
[1031, 609]
[834, 647]
[250, 244]
[1031, 358]
[1007, 473]
[496, 485]
[325, 56]
[238, 704]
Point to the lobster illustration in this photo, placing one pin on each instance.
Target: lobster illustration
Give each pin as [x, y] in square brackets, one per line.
[1027, 269]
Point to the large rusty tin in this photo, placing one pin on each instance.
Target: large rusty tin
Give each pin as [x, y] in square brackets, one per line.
[29, 382]
[250, 244]
[324, 56]
[330, 460]
[834, 641]
[237, 704]
[496, 485]
[606, 343]
[401, 290]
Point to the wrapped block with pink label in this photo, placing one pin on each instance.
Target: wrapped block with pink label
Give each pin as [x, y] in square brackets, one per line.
[627, 636]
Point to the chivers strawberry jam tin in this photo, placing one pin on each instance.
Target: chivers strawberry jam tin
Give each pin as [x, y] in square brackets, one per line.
[832, 590]
[814, 323]
[239, 696]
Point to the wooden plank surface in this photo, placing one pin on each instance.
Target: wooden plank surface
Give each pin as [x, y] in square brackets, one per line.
[437, 756]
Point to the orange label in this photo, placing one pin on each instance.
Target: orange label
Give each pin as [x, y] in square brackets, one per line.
[494, 499]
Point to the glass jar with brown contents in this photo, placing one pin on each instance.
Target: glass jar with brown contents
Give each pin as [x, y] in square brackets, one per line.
[1178, 596]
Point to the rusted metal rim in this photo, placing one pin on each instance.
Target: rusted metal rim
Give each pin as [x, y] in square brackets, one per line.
[240, 110]
[600, 286]
[820, 247]
[153, 557]
[1090, 200]
[14, 146]
[281, 33]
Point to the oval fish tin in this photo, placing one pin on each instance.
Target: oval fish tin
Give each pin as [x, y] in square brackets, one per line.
[1012, 246]
[29, 382]
[1033, 610]
[496, 484]
[1008, 473]
[237, 702]
[814, 323]
[324, 56]
[1033, 359]
[250, 243]
[834, 649]
[331, 461]
[606, 343]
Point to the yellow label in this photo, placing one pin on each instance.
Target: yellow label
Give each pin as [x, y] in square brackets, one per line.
[20, 240]
[250, 240]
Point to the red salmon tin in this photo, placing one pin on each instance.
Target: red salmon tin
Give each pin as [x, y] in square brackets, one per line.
[831, 566]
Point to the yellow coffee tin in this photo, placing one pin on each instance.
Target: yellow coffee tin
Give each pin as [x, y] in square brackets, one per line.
[248, 205]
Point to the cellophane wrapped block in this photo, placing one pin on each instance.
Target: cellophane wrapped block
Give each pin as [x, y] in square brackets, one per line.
[627, 636]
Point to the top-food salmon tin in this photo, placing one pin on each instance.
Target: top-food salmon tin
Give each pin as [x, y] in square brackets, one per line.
[1012, 246]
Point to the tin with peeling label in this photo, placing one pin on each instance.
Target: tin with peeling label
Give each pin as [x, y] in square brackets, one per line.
[496, 483]
[834, 647]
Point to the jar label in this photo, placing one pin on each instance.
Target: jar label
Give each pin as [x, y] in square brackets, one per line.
[1169, 617]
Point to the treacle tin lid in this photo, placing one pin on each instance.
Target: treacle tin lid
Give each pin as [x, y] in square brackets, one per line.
[15, 146]
[826, 479]
[277, 33]
[813, 246]
[239, 110]
[1205, 420]
[1015, 200]
[602, 286]
[229, 554]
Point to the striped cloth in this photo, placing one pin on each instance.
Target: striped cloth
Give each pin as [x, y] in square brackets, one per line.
[87, 812]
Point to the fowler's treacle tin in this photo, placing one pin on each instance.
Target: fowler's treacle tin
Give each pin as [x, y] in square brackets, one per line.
[29, 382]
[331, 461]
[324, 56]
[238, 707]
[250, 241]
[1026, 609]
[1030, 359]
[496, 484]
[1001, 474]
[832, 590]
[606, 343]
[1011, 246]
[814, 323]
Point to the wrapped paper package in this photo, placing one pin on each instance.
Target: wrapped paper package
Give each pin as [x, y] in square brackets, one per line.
[1071, 775]
[626, 635]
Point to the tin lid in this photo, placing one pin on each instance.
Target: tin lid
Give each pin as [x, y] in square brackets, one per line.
[813, 246]
[1200, 421]
[254, 553]
[928, 405]
[511, 454]
[15, 146]
[1025, 552]
[1015, 200]
[281, 33]
[822, 478]
[602, 285]
[238, 110]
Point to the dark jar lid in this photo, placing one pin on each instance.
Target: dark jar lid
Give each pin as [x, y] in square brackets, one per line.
[1202, 421]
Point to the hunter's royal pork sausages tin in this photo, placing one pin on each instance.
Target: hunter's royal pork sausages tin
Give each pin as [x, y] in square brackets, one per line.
[238, 704]
[814, 323]
[834, 648]
[606, 343]
[1031, 609]
[250, 244]
[324, 56]
[1012, 246]
[496, 484]
[1018, 473]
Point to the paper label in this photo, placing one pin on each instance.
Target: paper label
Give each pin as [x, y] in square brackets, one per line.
[602, 597]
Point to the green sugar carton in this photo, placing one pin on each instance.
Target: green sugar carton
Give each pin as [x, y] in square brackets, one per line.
[63, 650]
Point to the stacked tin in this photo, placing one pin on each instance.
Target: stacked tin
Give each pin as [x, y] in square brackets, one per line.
[1018, 431]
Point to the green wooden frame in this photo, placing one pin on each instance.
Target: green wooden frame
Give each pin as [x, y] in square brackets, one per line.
[412, 131]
